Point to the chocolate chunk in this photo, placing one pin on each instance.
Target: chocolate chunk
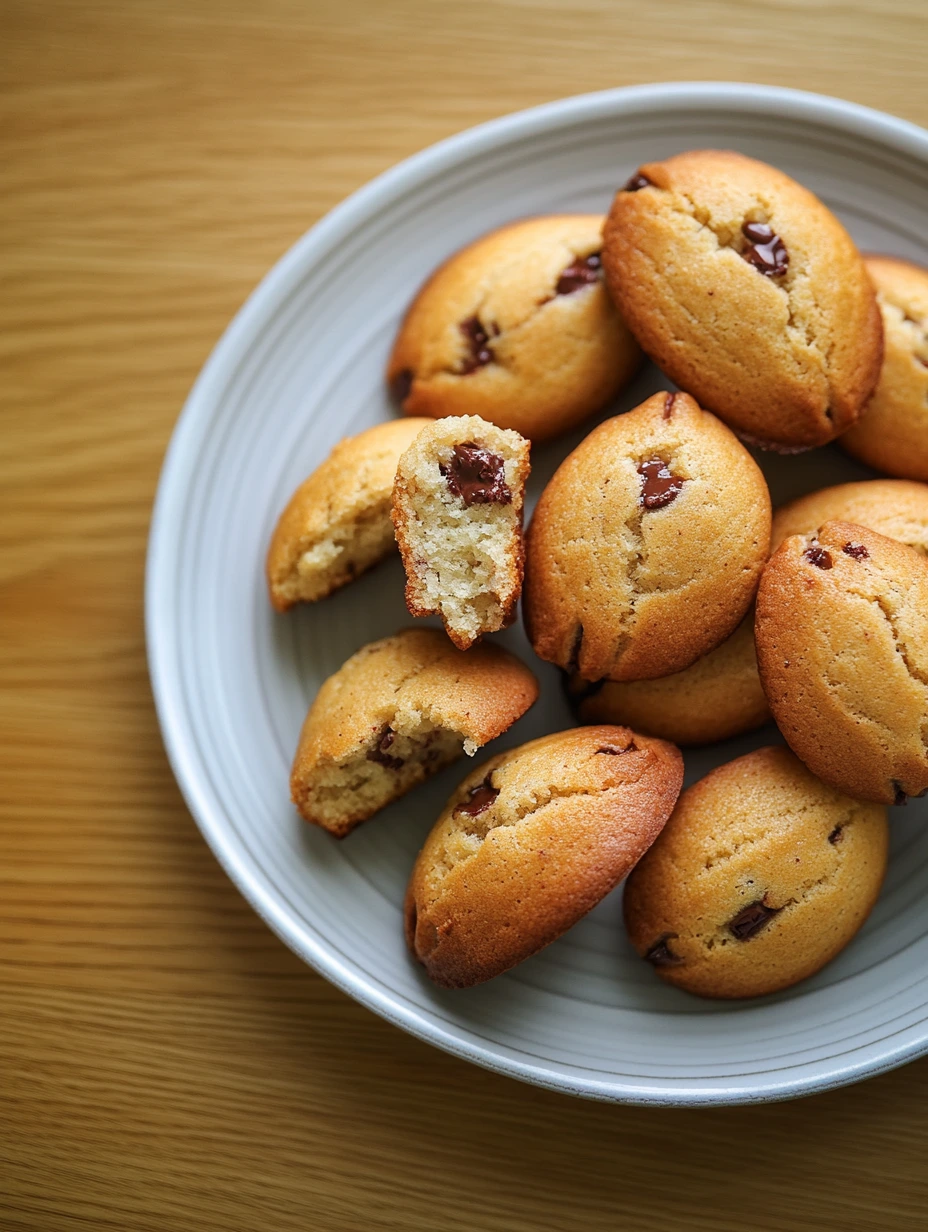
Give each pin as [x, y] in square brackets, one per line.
[836, 835]
[751, 920]
[380, 754]
[477, 476]
[669, 400]
[857, 550]
[757, 232]
[631, 747]
[661, 955]
[660, 486]
[818, 556]
[478, 800]
[401, 385]
[636, 183]
[579, 274]
[478, 339]
[902, 796]
[767, 252]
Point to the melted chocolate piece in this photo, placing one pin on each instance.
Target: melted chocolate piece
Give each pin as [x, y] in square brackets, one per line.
[380, 754]
[767, 252]
[477, 476]
[659, 485]
[836, 835]
[401, 385]
[751, 920]
[903, 797]
[629, 748]
[669, 400]
[636, 183]
[478, 800]
[818, 556]
[579, 274]
[661, 955]
[479, 342]
[857, 550]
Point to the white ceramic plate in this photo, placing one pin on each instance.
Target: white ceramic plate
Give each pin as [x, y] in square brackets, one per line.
[300, 367]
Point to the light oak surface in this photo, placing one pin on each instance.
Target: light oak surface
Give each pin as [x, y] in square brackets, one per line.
[165, 1063]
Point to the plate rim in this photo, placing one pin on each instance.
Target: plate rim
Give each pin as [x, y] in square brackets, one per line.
[177, 473]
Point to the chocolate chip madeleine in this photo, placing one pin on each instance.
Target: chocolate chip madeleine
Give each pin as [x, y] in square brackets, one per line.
[748, 292]
[396, 712]
[457, 510]
[762, 875]
[530, 842]
[517, 328]
[645, 548]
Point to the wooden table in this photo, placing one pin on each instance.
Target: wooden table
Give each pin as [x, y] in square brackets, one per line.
[165, 1063]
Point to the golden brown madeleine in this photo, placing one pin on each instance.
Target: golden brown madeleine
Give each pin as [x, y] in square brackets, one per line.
[896, 508]
[396, 712]
[718, 696]
[842, 648]
[457, 510]
[517, 328]
[530, 842]
[747, 291]
[337, 523]
[762, 875]
[646, 546]
[892, 433]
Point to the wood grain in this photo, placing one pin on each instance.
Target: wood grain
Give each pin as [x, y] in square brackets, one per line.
[166, 1062]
